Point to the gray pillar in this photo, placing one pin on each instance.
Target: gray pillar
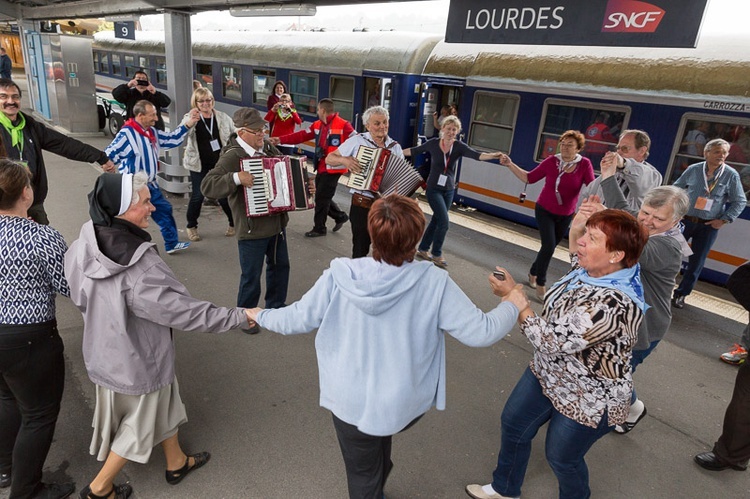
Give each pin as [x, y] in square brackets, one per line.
[179, 57]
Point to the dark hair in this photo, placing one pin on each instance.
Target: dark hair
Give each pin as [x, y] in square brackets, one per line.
[624, 233]
[14, 178]
[141, 72]
[640, 138]
[575, 135]
[7, 82]
[395, 224]
[326, 105]
[141, 107]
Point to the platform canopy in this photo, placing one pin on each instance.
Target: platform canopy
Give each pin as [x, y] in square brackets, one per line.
[57, 9]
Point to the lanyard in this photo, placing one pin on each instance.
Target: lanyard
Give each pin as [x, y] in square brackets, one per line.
[446, 159]
[211, 129]
[717, 175]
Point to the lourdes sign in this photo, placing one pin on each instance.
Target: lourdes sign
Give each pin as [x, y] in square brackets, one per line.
[628, 23]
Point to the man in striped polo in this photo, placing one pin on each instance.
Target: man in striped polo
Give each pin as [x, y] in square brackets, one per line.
[136, 148]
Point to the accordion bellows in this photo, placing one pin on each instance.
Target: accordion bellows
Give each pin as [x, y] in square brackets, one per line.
[280, 183]
[384, 173]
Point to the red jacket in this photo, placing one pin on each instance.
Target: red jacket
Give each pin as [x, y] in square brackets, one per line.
[280, 126]
[328, 137]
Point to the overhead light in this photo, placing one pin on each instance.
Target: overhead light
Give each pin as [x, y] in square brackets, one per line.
[302, 9]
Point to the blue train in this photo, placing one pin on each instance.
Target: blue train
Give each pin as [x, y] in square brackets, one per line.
[513, 98]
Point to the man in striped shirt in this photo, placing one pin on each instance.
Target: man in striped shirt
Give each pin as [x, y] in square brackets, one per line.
[136, 148]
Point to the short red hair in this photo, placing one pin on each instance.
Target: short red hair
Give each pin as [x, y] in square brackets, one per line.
[624, 233]
[395, 224]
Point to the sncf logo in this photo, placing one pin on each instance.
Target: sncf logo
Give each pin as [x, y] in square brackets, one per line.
[631, 16]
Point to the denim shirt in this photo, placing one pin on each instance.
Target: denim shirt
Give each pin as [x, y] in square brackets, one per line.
[728, 195]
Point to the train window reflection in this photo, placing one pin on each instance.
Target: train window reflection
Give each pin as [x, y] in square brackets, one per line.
[600, 124]
[231, 81]
[104, 65]
[697, 130]
[493, 120]
[304, 91]
[342, 94]
[130, 67]
[116, 68]
[161, 70]
[204, 74]
[263, 82]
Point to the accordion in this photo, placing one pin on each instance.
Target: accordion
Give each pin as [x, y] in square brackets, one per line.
[279, 184]
[384, 172]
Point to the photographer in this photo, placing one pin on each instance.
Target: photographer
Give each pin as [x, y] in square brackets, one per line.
[140, 88]
[282, 118]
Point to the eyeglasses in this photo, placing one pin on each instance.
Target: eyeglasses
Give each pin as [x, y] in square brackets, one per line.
[261, 131]
[10, 97]
[205, 101]
[622, 148]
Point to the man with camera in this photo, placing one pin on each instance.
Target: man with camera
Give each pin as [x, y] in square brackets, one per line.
[140, 88]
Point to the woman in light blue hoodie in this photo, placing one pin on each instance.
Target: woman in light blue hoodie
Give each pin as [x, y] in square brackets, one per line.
[380, 341]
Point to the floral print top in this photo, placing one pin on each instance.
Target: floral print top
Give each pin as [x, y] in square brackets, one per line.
[582, 349]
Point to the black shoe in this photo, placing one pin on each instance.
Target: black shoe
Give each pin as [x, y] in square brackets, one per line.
[54, 490]
[709, 461]
[121, 491]
[4, 480]
[340, 223]
[314, 233]
[678, 301]
[254, 329]
[176, 476]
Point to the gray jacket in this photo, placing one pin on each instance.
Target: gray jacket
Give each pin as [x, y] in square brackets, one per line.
[128, 312]
[191, 160]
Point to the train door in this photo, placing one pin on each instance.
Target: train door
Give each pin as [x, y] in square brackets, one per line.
[436, 100]
[378, 92]
[37, 80]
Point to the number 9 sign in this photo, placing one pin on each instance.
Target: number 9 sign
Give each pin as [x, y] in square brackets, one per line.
[125, 29]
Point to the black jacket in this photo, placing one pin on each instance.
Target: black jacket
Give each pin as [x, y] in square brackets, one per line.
[129, 96]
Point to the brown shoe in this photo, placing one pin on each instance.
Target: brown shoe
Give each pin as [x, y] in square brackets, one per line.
[192, 233]
[540, 292]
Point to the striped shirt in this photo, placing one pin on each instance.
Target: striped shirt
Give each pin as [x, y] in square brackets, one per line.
[133, 152]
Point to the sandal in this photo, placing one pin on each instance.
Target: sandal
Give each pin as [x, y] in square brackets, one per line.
[627, 426]
[176, 476]
[439, 261]
[423, 255]
[121, 491]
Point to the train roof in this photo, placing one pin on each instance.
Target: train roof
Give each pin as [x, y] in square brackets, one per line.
[719, 66]
[342, 52]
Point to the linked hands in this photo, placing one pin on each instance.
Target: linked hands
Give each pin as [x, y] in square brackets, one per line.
[109, 167]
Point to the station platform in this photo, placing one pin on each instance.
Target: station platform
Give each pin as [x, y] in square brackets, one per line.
[252, 401]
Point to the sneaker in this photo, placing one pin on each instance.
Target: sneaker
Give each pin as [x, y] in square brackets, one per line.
[4, 480]
[532, 281]
[314, 233]
[230, 231]
[252, 329]
[193, 234]
[54, 490]
[678, 301]
[735, 356]
[484, 492]
[178, 247]
[340, 223]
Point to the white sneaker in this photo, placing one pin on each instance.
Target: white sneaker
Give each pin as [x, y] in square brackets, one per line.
[532, 281]
[178, 247]
[484, 492]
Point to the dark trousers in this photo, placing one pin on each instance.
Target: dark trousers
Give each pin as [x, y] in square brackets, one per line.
[325, 189]
[367, 459]
[552, 229]
[360, 234]
[253, 252]
[196, 201]
[733, 445]
[32, 378]
[703, 237]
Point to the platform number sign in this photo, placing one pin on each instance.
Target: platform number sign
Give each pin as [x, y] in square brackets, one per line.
[125, 29]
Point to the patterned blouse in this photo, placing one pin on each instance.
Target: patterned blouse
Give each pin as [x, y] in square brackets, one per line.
[31, 271]
[582, 349]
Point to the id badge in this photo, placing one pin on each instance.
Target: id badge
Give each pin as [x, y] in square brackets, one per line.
[704, 204]
[215, 146]
[442, 180]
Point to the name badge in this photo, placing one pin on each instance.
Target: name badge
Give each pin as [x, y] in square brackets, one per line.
[215, 146]
[442, 179]
[704, 204]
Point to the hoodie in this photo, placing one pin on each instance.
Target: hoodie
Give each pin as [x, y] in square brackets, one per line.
[128, 312]
[380, 342]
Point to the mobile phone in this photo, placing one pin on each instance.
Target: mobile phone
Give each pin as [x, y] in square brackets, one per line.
[142, 83]
[499, 275]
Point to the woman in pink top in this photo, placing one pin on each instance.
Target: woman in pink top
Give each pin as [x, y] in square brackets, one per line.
[564, 175]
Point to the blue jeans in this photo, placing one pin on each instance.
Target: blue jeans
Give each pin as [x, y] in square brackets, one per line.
[637, 359]
[704, 236]
[163, 216]
[440, 202]
[526, 410]
[252, 254]
[552, 229]
[196, 201]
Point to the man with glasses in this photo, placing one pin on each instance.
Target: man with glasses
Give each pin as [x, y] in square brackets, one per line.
[139, 88]
[25, 139]
[634, 174]
[259, 239]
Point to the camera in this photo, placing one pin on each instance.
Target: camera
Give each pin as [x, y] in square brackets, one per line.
[522, 197]
[142, 83]
[499, 275]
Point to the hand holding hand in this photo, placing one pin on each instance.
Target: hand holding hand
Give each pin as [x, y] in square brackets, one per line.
[109, 167]
[608, 164]
[517, 296]
[195, 115]
[274, 141]
[246, 179]
[252, 314]
[504, 159]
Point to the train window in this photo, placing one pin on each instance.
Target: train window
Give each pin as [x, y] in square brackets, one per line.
[130, 67]
[697, 130]
[116, 68]
[161, 70]
[493, 119]
[205, 73]
[342, 94]
[144, 64]
[304, 91]
[600, 124]
[263, 82]
[96, 60]
[231, 82]
[104, 63]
